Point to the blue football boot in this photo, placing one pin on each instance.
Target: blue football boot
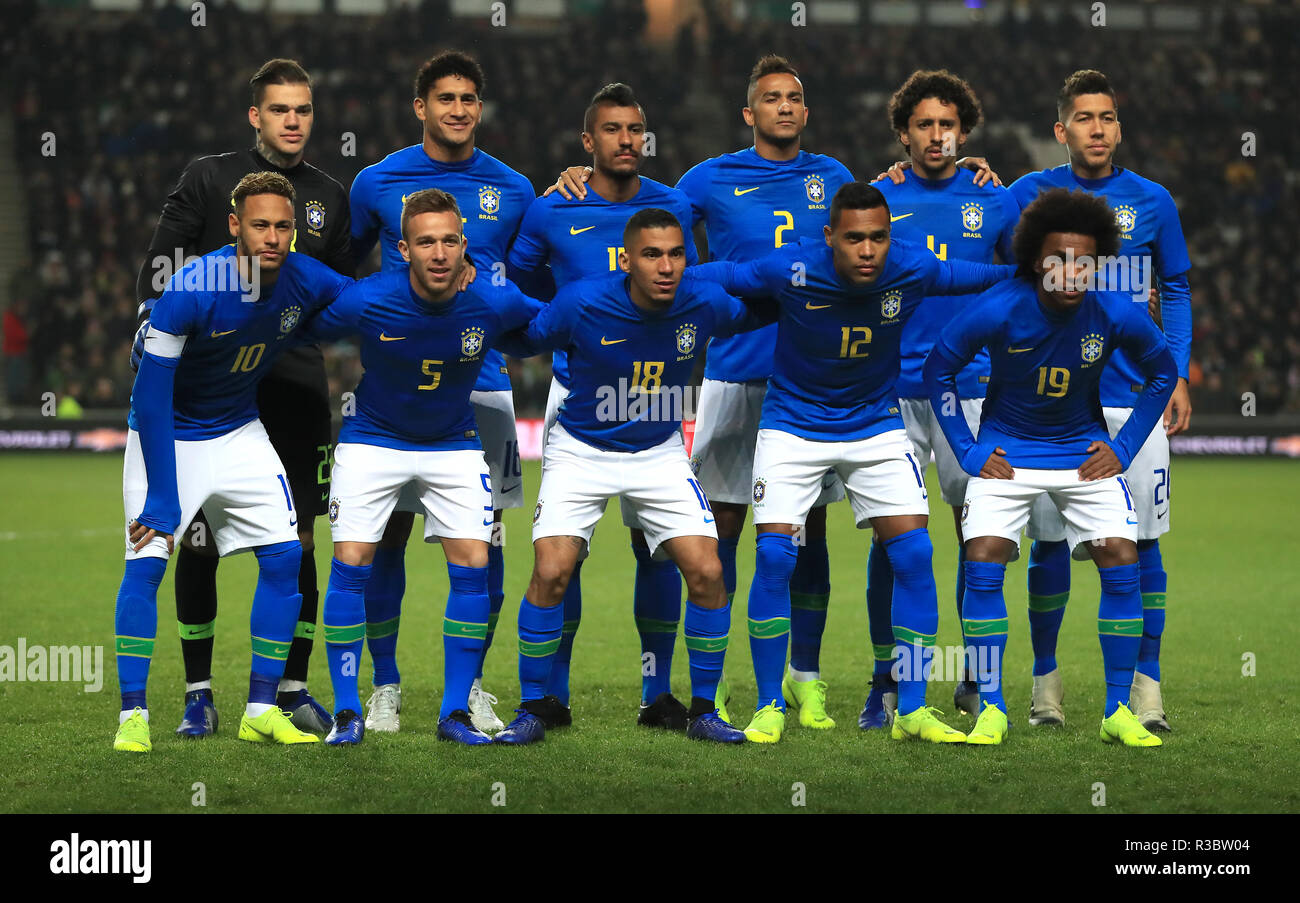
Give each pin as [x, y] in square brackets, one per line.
[878, 712]
[348, 729]
[526, 728]
[200, 719]
[710, 726]
[306, 713]
[458, 727]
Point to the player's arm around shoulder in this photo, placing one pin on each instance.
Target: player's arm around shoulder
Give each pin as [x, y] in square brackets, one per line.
[765, 275]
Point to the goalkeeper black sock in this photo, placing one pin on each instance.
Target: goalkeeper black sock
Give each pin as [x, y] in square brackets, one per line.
[304, 633]
[196, 611]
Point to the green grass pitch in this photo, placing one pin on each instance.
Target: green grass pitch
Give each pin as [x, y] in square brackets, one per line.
[1233, 570]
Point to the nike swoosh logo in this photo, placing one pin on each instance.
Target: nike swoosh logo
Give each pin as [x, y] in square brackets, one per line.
[747, 190]
[127, 647]
[708, 520]
[811, 306]
[217, 335]
[510, 489]
[605, 341]
[1161, 514]
[1018, 350]
[293, 523]
[391, 338]
[573, 231]
[403, 200]
[894, 219]
[192, 632]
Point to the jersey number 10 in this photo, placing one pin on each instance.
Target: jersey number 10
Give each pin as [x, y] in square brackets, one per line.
[248, 357]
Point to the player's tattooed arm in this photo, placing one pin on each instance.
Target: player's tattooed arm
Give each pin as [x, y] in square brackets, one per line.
[978, 165]
[571, 184]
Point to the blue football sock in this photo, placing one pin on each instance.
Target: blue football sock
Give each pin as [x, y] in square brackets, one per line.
[1154, 582]
[464, 629]
[727, 555]
[985, 628]
[1119, 625]
[960, 597]
[496, 597]
[810, 591]
[384, 611]
[276, 603]
[706, 647]
[769, 614]
[915, 614]
[344, 621]
[1049, 590]
[135, 623]
[657, 608]
[558, 683]
[880, 605]
[539, 638]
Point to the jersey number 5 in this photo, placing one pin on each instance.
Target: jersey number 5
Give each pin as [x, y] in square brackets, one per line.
[436, 374]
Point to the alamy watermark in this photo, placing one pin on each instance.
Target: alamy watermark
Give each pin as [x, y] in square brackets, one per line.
[628, 402]
[48, 664]
[1128, 275]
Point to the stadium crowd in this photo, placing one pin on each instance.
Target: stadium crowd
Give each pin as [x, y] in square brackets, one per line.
[1199, 117]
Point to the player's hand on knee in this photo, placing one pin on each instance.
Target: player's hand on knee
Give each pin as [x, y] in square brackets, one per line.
[140, 536]
[996, 467]
[983, 172]
[572, 183]
[137, 347]
[1102, 463]
[1178, 413]
[897, 173]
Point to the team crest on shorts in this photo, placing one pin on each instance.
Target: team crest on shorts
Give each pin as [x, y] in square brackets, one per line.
[815, 188]
[972, 217]
[334, 510]
[289, 318]
[965, 511]
[489, 199]
[537, 513]
[471, 341]
[1126, 218]
[315, 215]
[891, 304]
[1092, 344]
[686, 338]
[695, 464]
[760, 490]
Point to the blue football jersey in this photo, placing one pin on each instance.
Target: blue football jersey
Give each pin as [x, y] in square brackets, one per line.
[629, 370]
[581, 239]
[751, 206]
[957, 219]
[492, 197]
[1154, 252]
[422, 360]
[837, 345]
[231, 342]
[1043, 406]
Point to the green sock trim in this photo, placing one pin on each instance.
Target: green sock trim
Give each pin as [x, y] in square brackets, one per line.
[1048, 603]
[467, 629]
[492, 621]
[1153, 600]
[377, 630]
[1125, 627]
[653, 625]
[134, 646]
[196, 631]
[769, 629]
[305, 630]
[539, 650]
[810, 601]
[731, 597]
[984, 628]
[276, 651]
[570, 627]
[882, 653]
[706, 644]
[345, 633]
[907, 637]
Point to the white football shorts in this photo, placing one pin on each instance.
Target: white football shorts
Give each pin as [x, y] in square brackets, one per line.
[726, 432]
[554, 401]
[881, 476]
[662, 494]
[452, 487]
[926, 436]
[236, 479]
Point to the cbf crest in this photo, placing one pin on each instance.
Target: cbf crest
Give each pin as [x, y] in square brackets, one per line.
[760, 490]
[815, 189]
[686, 338]
[334, 510]
[315, 216]
[489, 199]
[1092, 345]
[471, 341]
[1126, 218]
[891, 304]
[289, 319]
[972, 217]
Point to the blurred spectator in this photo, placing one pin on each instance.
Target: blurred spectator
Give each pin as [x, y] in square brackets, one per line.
[13, 346]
